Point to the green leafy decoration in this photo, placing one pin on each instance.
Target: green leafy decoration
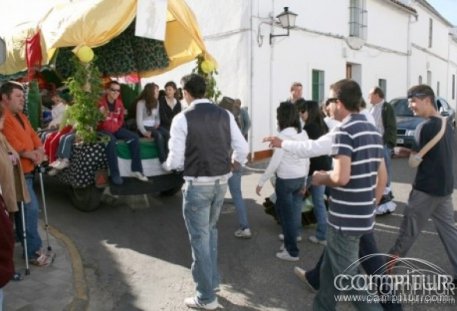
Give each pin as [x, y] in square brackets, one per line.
[86, 88]
[212, 91]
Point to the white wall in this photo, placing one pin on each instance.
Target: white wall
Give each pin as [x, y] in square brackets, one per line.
[261, 74]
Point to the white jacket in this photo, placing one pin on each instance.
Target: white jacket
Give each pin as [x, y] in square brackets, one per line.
[285, 164]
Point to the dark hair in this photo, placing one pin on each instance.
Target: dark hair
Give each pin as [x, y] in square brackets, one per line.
[422, 91]
[195, 85]
[172, 84]
[287, 116]
[349, 93]
[111, 82]
[1, 111]
[378, 91]
[315, 115]
[148, 96]
[8, 87]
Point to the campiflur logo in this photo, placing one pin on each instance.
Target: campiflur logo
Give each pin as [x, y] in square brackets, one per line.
[399, 280]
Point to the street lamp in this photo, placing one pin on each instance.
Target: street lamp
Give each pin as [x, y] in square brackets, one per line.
[287, 20]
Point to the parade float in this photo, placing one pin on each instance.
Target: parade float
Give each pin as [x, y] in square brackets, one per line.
[83, 43]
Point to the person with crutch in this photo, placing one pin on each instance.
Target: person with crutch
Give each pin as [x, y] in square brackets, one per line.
[12, 181]
[25, 141]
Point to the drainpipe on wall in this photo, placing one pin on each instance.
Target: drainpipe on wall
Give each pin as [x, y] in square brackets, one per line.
[251, 82]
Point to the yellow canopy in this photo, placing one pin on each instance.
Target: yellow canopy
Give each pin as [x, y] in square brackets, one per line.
[95, 23]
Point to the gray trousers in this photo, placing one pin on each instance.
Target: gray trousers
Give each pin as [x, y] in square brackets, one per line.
[422, 206]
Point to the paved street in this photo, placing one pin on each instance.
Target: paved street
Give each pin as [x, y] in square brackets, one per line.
[136, 253]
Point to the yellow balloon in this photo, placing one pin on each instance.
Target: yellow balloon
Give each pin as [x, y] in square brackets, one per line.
[85, 54]
[207, 66]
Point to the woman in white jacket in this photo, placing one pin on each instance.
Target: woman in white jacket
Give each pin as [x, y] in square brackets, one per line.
[291, 172]
[148, 119]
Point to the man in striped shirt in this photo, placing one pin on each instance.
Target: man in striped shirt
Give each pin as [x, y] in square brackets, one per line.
[358, 174]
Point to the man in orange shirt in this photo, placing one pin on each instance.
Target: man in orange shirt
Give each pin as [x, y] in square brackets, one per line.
[25, 141]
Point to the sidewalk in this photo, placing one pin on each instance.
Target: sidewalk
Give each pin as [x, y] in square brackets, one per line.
[54, 287]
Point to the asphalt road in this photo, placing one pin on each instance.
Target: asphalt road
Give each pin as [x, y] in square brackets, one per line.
[137, 256]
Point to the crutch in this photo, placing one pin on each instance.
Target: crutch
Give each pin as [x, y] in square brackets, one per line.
[24, 236]
[41, 169]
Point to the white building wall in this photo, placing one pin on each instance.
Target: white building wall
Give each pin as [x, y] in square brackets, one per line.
[236, 33]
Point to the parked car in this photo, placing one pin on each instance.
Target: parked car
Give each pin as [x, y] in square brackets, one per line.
[407, 122]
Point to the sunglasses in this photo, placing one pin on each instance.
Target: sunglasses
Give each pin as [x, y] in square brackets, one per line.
[419, 95]
[115, 90]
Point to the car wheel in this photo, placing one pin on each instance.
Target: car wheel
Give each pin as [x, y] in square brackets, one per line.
[86, 199]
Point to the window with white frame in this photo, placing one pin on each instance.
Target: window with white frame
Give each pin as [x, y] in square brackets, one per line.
[318, 85]
[358, 19]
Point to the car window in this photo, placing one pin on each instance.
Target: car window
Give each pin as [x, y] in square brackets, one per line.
[401, 108]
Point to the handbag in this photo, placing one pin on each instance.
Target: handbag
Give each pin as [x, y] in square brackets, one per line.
[415, 159]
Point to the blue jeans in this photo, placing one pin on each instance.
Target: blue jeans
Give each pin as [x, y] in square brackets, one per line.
[320, 212]
[34, 242]
[161, 137]
[388, 160]
[341, 252]
[201, 209]
[289, 204]
[234, 184]
[66, 146]
[132, 139]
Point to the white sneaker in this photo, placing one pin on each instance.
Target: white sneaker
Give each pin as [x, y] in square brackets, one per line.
[284, 255]
[281, 237]
[64, 163]
[192, 302]
[243, 233]
[315, 240]
[139, 176]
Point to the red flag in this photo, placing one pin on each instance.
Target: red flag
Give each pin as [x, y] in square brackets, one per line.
[33, 53]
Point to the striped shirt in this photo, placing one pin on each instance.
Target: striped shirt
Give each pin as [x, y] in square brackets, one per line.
[352, 206]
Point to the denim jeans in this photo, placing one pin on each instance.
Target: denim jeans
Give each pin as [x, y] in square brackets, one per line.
[320, 212]
[289, 204]
[132, 139]
[161, 137]
[388, 160]
[66, 146]
[34, 242]
[201, 209]
[341, 252]
[234, 184]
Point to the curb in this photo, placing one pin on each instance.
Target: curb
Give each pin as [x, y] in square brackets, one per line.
[81, 298]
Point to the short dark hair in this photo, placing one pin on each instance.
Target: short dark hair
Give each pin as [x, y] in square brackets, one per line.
[8, 87]
[195, 85]
[111, 82]
[349, 93]
[378, 91]
[287, 116]
[422, 91]
[172, 84]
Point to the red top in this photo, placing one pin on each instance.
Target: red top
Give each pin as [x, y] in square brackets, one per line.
[113, 119]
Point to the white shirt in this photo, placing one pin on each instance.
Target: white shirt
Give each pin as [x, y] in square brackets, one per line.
[143, 119]
[376, 112]
[285, 164]
[331, 123]
[57, 113]
[177, 145]
[368, 115]
[311, 148]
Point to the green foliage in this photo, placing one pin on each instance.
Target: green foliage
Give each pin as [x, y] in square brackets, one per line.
[212, 92]
[86, 89]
